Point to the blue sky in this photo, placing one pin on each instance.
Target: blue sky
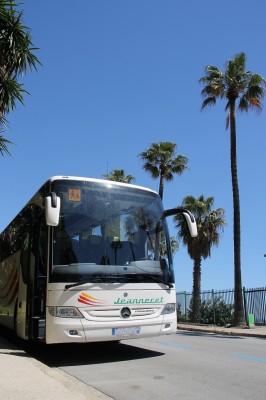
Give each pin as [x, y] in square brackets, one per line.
[118, 75]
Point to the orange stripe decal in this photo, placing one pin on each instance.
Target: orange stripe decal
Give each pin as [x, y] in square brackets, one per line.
[85, 298]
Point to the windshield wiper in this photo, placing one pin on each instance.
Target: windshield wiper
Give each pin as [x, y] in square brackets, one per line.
[159, 280]
[93, 279]
[105, 278]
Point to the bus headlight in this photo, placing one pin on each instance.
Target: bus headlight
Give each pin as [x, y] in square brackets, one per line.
[65, 312]
[169, 308]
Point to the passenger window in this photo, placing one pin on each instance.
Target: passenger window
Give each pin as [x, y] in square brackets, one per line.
[25, 257]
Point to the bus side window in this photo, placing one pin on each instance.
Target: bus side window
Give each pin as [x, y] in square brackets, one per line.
[25, 257]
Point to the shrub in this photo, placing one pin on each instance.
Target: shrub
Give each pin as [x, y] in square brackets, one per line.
[180, 316]
[215, 312]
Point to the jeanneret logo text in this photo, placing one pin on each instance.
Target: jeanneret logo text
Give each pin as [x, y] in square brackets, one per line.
[150, 300]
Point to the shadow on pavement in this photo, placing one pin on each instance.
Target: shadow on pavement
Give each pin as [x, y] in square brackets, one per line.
[62, 355]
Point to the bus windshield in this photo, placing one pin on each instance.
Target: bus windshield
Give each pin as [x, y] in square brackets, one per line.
[109, 233]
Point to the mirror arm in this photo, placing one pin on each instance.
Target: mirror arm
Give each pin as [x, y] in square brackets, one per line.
[178, 210]
[53, 199]
[187, 215]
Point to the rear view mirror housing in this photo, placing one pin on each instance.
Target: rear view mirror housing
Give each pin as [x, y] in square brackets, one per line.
[189, 217]
[52, 209]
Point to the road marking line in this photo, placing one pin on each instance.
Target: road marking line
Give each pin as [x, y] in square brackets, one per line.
[250, 358]
[176, 345]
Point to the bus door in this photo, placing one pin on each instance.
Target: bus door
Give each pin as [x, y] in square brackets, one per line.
[36, 295]
[30, 322]
[20, 315]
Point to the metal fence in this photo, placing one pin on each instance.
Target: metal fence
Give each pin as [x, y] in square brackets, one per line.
[254, 301]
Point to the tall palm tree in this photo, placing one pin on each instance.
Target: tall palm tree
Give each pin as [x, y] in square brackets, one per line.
[119, 175]
[244, 90]
[161, 162]
[16, 56]
[210, 225]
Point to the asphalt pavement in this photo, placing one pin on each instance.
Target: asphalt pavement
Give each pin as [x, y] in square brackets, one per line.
[23, 377]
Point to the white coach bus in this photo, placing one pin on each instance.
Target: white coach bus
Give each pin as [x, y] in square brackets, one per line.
[89, 260]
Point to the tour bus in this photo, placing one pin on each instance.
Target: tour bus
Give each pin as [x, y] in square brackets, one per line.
[89, 260]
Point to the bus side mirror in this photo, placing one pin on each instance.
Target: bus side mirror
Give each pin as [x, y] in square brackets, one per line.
[189, 217]
[191, 223]
[52, 209]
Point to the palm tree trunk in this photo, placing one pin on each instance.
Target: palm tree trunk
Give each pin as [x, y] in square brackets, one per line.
[161, 186]
[196, 299]
[239, 317]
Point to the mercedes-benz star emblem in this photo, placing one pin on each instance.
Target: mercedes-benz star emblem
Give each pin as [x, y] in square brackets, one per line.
[125, 312]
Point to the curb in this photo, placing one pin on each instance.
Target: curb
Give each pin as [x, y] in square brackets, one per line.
[247, 332]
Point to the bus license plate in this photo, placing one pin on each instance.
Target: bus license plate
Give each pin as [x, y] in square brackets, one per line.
[133, 330]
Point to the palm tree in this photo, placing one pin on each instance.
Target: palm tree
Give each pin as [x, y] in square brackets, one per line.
[235, 85]
[3, 144]
[174, 246]
[160, 161]
[210, 224]
[16, 56]
[118, 175]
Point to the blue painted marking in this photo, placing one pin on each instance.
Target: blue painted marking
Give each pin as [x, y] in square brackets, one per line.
[250, 358]
[177, 345]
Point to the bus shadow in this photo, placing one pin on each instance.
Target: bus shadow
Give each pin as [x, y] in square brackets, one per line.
[62, 355]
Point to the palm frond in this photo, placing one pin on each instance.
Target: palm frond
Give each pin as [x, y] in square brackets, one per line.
[234, 83]
[16, 55]
[161, 162]
[119, 175]
[4, 145]
[210, 101]
[210, 224]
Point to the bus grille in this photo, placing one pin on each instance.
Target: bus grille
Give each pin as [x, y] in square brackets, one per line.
[137, 313]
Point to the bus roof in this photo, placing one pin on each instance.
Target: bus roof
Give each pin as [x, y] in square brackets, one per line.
[80, 178]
